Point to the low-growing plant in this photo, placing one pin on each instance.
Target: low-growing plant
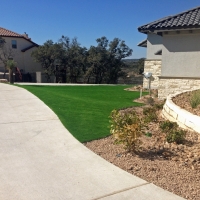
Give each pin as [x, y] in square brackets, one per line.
[195, 99]
[150, 101]
[150, 114]
[148, 134]
[126, 128]
[176, 135]
[173, 132]
[167, 125]
[158, 106]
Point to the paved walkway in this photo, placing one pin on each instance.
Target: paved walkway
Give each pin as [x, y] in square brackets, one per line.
[41, 160]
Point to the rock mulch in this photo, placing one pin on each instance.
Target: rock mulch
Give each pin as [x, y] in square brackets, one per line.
[183, 100]
[174, 167]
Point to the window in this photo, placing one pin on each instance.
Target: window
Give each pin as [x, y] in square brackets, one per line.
[14, 44]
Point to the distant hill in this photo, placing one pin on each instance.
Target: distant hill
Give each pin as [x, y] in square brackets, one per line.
[130, 60]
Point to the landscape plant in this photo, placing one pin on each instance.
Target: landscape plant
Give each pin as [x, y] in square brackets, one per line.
[195, 99]
[173, 132]
[6, 53]
[126, 128]
[150, 114]
[10, 64]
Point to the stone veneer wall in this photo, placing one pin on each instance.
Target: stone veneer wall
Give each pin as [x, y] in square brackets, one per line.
[153, 66]
[184, 118]
[172, 85]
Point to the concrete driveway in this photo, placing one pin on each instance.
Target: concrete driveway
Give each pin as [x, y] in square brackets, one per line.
[41, 160]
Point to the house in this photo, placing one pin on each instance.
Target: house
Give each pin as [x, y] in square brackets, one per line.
[19, 47]
[173, 52]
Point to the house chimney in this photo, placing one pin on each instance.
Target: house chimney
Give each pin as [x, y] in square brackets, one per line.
[26, 36]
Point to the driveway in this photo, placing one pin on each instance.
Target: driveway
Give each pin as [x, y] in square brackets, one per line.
[41, 160]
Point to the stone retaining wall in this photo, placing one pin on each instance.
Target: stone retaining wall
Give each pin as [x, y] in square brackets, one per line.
[153, 66]
[183, 118]
[169, 85]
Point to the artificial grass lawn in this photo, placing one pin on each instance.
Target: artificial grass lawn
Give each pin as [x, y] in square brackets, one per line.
[85, 110]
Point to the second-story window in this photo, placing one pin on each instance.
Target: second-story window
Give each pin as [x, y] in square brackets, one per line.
[14, 44]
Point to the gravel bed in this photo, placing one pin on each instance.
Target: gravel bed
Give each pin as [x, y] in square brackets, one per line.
[183, 100]
[173, 167]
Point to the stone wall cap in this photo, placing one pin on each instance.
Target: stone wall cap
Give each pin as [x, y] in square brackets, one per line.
[177, 77]
[147, 59]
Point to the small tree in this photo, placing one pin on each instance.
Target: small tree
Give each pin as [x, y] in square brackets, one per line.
[5, 53]
[10, 65]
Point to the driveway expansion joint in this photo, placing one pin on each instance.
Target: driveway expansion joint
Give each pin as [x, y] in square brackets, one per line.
[120, 191]
[39, 120]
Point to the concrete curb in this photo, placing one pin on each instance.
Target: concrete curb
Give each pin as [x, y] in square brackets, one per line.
[40, 159]
[183, 118]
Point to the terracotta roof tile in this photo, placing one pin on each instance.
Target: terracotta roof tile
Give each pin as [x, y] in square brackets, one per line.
[7, 33]
[4, 32]
[187, 19]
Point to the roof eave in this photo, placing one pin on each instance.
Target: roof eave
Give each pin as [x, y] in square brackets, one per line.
[152, 30]
[143, 43]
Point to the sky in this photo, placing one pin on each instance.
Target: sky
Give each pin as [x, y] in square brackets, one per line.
[88, 20]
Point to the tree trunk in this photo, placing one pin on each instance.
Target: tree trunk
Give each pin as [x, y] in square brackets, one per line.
[11, 78]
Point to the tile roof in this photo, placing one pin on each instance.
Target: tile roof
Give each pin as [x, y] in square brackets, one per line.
[7, 33]
[184, 20]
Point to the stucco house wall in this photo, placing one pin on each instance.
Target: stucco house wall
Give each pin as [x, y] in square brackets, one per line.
[23, 59]
[29, 64]
[154, 44]
[181, 54]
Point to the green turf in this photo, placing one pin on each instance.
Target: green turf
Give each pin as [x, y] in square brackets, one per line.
[85, 110]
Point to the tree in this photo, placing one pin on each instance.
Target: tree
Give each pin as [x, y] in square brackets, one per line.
[6, 53]
[117, 50]
[76, 57]
[98, 60]
[10, 64]
[106, 59]
[49, 55]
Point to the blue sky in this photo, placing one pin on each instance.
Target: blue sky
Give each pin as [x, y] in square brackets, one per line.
[88, 19]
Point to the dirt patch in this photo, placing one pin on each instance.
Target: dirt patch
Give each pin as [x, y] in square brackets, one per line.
[174, 167]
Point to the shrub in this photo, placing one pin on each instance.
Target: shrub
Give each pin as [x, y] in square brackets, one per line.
[126, 128]
[150, 114]
[195, 99]
[150, 101]
[176, 135]
[158, 106]
[148, 134]
[173, 132]
[167, 125]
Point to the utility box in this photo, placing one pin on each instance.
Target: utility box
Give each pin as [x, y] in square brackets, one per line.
[38, 77]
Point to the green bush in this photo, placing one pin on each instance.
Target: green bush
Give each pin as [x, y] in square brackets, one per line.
[150, 114]
[167, 125]
[158, 106]
[176, 135]
[173, 132]
[195, 99]
[126, 128]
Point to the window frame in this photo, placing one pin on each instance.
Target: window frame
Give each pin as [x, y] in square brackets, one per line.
[14, 44]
